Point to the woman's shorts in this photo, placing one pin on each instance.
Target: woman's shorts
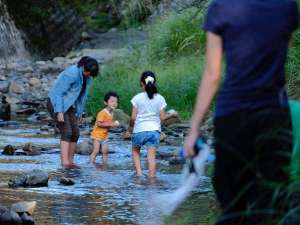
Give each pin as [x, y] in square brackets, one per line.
[69, 129]
[147, 138]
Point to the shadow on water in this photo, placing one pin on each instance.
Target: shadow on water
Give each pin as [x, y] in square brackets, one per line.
[102, 195]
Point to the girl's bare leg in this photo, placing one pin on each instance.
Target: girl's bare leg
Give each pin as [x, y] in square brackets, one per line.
[151, 162]
[137, 160]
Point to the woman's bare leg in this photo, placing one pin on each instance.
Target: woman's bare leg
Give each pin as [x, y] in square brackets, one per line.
[64, 153]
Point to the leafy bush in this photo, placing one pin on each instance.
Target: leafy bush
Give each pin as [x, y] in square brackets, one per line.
[176, 34]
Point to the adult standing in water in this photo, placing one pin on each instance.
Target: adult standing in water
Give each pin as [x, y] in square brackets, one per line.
[253, 138]
[66, 104]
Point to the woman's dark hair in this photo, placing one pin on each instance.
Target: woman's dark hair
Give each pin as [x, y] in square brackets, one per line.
[110, 94]
[89, 64]
[150, 86]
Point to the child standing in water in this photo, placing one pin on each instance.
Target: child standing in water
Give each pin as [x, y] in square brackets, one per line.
[148, 109]
[104, 121]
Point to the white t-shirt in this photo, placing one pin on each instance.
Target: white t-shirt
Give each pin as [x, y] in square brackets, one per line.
[148, 115]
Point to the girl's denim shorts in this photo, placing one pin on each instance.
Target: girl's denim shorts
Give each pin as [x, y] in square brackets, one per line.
[147, 138]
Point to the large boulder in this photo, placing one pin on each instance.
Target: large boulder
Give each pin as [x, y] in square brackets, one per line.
[85, 147]
[24, 207]
[122, 117]
[9, 217]
[36, 178]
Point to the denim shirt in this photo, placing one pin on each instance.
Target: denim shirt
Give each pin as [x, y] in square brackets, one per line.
[66, 90]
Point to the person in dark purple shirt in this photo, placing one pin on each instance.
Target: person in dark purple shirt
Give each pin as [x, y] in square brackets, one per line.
[253, 138]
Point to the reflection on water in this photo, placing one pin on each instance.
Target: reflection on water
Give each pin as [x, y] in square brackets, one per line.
[101, 195]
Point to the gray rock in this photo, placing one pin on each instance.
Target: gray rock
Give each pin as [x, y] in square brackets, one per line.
[34, 82]
[4, 86]
[36, 178]
[122, 117]
[17, 88]
[85, 147]
[9, 217]
[22, 207]
[66, 181]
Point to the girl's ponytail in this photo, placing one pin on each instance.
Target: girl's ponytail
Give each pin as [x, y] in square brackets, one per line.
[149, 81]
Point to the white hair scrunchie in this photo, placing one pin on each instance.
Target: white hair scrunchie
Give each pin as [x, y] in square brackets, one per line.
[149, 79]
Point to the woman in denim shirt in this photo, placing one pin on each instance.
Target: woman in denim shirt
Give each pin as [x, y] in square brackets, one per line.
[66, 103]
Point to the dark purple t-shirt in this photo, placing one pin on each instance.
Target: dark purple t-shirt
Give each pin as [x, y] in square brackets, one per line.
[255, 36]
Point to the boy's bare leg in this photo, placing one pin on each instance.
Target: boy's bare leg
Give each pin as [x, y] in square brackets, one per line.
[104, 150]
[137, 160]
[96, 149]
[151, 162]
[64, 153]
[72, 150]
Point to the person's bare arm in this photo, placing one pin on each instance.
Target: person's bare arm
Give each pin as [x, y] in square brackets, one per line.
[207, 89]
[106, 124]
[132, 119]
[164, 115]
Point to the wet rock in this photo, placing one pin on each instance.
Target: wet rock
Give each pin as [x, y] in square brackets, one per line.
[28, 111]
[126, 136]
[8, 150]
[9, 124]
[164, 155]
[34, 82]
[24, 207]
[4, 86]
[85, 147]
[171, 120]
[174, 141]
[36, 178]
[66, 181]
[9, 217]
[5, 109]
[163, 136]
[26, 219]
[29, 149]
[16, 87]
[122, 117]
[176, 161]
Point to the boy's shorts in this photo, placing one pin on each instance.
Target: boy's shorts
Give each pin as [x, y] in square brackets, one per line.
[147, 138]
[102, 141]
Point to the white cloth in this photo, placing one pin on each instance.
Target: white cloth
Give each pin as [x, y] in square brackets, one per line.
[148, 112]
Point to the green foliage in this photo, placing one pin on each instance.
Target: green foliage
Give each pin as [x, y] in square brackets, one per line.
[293, 66]
[172, 53]
[176, 34]
[177, 81]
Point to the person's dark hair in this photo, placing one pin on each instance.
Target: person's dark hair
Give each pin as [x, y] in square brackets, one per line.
[110, 94]
[89, 64]
[150, 86]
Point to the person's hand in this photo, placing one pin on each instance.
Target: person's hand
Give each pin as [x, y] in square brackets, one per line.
[80, 119]
[115, 124]
[190, 143]
[60, 117]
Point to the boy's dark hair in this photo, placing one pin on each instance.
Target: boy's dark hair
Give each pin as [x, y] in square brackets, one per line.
[89, 64]
[110, 94]
[150, 87]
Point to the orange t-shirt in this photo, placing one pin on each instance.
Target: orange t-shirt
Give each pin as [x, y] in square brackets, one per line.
[101, 132]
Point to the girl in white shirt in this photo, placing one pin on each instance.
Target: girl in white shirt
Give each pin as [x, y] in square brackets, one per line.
[148, 109]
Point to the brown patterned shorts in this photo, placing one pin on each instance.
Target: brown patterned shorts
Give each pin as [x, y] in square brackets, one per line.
[69, 129]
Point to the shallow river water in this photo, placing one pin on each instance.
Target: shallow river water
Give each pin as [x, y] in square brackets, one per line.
[102, 195]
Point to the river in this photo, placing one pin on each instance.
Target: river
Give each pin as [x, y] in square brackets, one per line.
[102, 195]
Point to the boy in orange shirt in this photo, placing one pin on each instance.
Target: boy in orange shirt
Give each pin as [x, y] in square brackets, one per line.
[104, 121]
